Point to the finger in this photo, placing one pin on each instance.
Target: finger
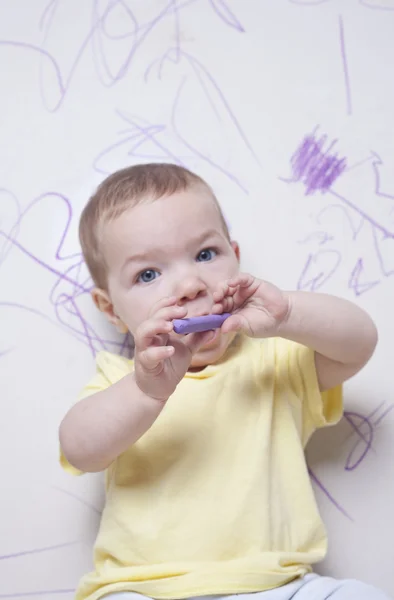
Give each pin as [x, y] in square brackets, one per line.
[166, 301]
[169, 313]
[226, 305]
[223, 290]
[148, 330]
[195, 341]
[218, 308]
[242, 279]
[234, 323]
[220, 292]
[151, 358]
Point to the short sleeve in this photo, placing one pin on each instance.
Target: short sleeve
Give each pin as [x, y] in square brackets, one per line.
[110, 368]
[319, 409]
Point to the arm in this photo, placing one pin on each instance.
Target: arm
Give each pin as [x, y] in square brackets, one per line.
[102, 426]
[342, 335]
[99, 428]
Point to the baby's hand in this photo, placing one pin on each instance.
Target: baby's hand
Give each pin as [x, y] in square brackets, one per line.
[258, 307]
[160, 361]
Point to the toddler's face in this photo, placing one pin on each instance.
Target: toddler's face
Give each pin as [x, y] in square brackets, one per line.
[175, 246]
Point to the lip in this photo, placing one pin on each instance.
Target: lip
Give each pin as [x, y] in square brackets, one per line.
[213, 340]
[204, 314]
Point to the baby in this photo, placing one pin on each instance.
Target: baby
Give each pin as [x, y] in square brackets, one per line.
[202, 435]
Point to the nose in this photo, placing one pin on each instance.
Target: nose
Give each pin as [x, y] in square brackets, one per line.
[189, 288]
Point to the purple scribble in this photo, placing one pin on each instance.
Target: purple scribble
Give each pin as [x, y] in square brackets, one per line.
[319, 169]
[14, 228]
[71, 284]
[138, 133]
[344, 212]
[321, 237]
[362, 213]
[308, 2]
[5, 352]
[48, 60]
[312, 276]
[376, 163]
[345, 66]
[38, 550]
[39, 593]
[96, 36]
[97, 29]
[364, 427]
[177, 28]
[379, 251]
[315, 167]
[367, 4]
[355, 284]
[141, 134]
[330, 497]
[209, 86]
[357, 421]
[77, 498]
[224, 12]
[197, 152]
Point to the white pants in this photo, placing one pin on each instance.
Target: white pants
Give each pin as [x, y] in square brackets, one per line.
[310, 587]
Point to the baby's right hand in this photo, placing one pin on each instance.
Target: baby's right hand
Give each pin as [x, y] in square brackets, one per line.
[160, 361]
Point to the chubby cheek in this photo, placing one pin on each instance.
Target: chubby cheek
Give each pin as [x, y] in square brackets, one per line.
[130, 310]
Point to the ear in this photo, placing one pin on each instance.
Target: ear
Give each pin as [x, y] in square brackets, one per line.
[236, 249]
[105, 305]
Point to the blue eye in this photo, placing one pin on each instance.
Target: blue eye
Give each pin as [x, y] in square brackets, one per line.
[147, 276]
[206, 255]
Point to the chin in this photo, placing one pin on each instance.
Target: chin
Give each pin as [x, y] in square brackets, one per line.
[212, 352]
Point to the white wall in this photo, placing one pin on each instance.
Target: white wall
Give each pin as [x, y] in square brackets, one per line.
[235, 91]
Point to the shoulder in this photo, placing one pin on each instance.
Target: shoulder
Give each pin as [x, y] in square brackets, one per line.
[272, 351]
[110, 368]
[113, 365]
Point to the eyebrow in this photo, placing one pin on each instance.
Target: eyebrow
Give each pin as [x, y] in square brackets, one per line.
[146, 256]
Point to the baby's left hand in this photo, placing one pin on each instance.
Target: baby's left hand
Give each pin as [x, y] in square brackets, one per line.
[258, 308]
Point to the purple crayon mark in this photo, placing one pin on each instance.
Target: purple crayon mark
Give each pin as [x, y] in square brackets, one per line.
[357, 421]
[313, 276]
[330, 497]
[367, 4]
[362, 213]
[203, 323]
[195, 150]
[315, 167]
[354, 280]
[387, 199]
[5, 352]
[78, 498]
[224, 12]
[376, 215]
[70, 286]
[345, 66]
[344, 216]
[39, 593]
[308, 2]
[38, 550]
[322, 237]
[364, 427]
[97, 32]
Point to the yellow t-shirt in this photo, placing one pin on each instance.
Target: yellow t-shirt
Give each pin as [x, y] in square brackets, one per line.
[215, 498]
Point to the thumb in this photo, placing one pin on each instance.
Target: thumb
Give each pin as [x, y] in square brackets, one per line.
[194, 341]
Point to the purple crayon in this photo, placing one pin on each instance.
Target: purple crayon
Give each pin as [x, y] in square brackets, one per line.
[204, 323]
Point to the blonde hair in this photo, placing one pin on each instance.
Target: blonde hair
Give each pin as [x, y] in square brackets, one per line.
[123, 190]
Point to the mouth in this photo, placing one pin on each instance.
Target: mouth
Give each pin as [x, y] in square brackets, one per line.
[202, 314]
[213, 339]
